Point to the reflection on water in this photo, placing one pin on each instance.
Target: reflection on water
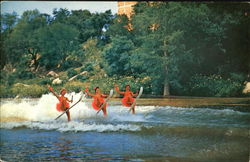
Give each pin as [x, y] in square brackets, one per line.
[63, 147]
[54, 146]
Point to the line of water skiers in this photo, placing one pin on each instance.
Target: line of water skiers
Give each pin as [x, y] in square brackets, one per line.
[98, 99]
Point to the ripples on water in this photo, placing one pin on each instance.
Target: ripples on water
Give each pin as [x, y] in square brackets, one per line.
[29, 132]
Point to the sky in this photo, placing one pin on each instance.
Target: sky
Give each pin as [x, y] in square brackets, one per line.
[47, 6]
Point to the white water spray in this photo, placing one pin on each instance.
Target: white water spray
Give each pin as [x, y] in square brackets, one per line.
[42, 110]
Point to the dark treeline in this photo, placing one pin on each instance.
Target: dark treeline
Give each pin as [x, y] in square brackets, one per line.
[169, 48]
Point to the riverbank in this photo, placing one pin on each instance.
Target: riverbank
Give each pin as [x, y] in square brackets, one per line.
[196, 102]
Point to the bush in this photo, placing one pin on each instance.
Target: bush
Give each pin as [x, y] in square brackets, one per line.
[75, 86]
[70, 64]
[71, 72]
[101, 65]
[5, 91]
[107, 83]
[11, 79]
[33, 90]
[25, 75]
[45, 81]
[3, 76]
[237, 77]
[82, 69]
[82, 77]
[88, 67]
[214, 85]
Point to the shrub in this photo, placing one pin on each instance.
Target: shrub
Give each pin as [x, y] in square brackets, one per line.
[45, 81]
[33, 90]
[5, 91]
[88, 67]
[71, 72]
[70, 64]
[11, 79]
[214, 85]
[107, 83]
[82, 69]
[82, 77]
[237, 77]
[101, 65]
[75, 86]
[3, 76]
[25, 75]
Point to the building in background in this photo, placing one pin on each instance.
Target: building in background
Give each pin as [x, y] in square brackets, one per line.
[126, 7]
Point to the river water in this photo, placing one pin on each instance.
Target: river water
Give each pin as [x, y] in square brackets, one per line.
[29, 132]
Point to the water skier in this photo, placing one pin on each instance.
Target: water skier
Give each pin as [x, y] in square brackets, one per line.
[128, 99]
[98, 100]
[63, 104]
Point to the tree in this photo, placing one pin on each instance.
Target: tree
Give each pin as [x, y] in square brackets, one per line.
[235, 17]
[118, 27]
[61, 15]
[8, 21]
[117, 55]
[176, 34]
[21, 46]
[93, 60]
[57, 42]
[89, 25]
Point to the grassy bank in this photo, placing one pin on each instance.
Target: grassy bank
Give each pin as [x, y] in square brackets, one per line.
[32, 90]
[11, 87]
[36, 87]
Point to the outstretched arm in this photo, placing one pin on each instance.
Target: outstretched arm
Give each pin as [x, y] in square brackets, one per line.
[134, 95]
[69, 100]
[54, 93]
[87, 91]
[117, 90]
[104, 95]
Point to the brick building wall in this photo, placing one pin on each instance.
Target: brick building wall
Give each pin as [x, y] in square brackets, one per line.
[126, 7]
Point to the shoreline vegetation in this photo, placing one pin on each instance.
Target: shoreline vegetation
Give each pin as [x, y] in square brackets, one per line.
[21, 90]
[241, 104]
[36, 87]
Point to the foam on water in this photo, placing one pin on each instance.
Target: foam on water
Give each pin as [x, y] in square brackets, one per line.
[43, 110]
[71, 126]
[41, 114]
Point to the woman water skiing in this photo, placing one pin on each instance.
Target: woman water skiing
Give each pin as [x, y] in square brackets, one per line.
[98, 100]
[63, 104]
[128, 99]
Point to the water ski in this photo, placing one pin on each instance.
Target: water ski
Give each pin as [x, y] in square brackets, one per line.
[70, 107]
[139, 95]
[105, 102]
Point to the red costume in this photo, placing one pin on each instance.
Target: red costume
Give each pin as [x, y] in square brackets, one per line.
[95, 104]
[127, 98]
[63, 104]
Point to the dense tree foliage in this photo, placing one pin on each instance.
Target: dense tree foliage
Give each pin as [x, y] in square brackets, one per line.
[8, 21]
[173, 48]
[176, 41]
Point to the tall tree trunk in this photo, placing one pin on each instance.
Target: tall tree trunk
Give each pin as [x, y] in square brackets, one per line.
[166, 83]
[34, 59]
